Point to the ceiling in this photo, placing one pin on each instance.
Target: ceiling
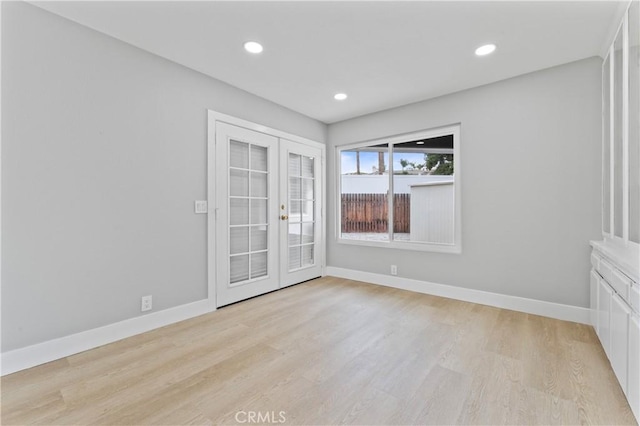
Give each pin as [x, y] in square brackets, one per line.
[382, 54]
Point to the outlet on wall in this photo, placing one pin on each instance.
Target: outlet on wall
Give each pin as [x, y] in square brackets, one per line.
[146, 304]
[394, 270]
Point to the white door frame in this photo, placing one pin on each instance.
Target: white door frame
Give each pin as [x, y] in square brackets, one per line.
[213, 118]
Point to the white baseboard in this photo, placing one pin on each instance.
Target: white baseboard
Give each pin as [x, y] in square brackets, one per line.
[514, 303]
[30, 356]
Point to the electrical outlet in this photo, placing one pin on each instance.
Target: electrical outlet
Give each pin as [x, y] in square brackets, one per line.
[394, 270]
[146, 304]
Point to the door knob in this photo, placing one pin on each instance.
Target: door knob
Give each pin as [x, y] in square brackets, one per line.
[284, 217]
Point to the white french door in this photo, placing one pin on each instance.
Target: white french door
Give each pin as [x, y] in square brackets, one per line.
[268, 199]
[300, 231]
[246, 225]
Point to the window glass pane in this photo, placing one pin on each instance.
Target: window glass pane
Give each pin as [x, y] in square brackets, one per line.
[239, 240]
[258, 184]
[606, 146]
[258, 238]
[424, 190]
[295, 188]
[307, 255]
[634, 122]
[307, 233]
[307, 211]
[258, 265]
[239, 154]
[307, 167]
[238, 211]
[307, 189]
[617, 136]
[238, 183]
[294, 210]
[239, 268]
[294, 233]
[258, 211]
[294, 257]
[258, 158]
[294, 164]
[364, 183]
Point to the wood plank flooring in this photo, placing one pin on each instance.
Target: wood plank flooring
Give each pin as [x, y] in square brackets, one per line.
[332, 351]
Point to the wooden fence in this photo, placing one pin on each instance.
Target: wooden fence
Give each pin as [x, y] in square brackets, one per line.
[369, 213]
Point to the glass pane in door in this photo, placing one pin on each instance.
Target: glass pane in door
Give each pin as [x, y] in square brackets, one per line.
[248, 200]
[301, 198]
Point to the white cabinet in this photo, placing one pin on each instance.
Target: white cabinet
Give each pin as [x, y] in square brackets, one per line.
[604, 309]
[633, 385]
[595, 282]
[615, 277]
[619, 341]
[614, 290]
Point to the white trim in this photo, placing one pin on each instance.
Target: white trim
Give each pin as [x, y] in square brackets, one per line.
[514, 303]
[218, 116]
[212, 213]
[40, 353]
[606, 144]
[625, 129]
[0, 170]
[612, 155]
[403, 245]
[390, 197]
[323, 213]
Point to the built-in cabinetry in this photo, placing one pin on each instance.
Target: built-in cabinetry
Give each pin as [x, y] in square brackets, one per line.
[615, 308]
[615, 274]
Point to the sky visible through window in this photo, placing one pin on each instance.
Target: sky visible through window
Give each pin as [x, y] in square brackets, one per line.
[369, 161]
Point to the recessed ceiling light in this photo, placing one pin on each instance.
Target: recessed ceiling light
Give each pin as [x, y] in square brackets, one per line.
[485, 50]
[253, 47]
[420, 143]
[340, 96]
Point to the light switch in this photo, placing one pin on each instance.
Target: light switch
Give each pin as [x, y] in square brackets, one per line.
[201, 206]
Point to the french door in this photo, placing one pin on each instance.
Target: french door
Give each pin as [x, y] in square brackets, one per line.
[301, 225]
[268, 199]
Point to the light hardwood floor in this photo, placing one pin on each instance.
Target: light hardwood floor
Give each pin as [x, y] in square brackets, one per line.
[333, 351]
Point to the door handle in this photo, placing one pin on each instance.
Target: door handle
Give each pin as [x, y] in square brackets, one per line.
[284, 217]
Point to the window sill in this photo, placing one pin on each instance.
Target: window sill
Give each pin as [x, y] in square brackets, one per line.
[404, 245]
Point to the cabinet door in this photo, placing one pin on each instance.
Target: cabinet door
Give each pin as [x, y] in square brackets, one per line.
[633, 381]
[593, 312]
[619, 339]
[604, 307]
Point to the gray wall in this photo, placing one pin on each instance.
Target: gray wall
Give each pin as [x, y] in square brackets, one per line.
[530, 149]
[103, 154]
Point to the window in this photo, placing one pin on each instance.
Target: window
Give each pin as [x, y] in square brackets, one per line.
[621, 134]
[402, 191]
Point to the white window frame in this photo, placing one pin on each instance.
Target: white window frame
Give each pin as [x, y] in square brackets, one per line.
[456, 246]
[609, 140]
